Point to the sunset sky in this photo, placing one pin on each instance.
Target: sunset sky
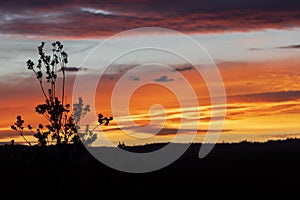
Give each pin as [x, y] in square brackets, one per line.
[254, 44]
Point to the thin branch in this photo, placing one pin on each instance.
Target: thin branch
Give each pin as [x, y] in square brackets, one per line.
[41, 84]
[21, 133]
[52, 70]
[47, 117]
[26, 140]
[63, 86]
[96, 127]
[42, 87]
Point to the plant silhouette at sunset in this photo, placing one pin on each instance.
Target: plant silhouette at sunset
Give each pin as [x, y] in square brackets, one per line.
[19, 127]
[63, 123]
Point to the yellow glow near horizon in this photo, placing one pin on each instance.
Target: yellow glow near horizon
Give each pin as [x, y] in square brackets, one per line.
[257, 106]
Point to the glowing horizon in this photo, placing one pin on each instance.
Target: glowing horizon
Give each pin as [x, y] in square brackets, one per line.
[255, 110]
[255, 48]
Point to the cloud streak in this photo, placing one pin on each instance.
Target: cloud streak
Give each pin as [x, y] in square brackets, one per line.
[183, 69]
[168, 131]
[279, 96]
[102, 18]
[134, 78]
[163, 79]
[294, 46]
[72, 69]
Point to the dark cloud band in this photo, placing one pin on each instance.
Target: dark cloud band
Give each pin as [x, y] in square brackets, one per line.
[102, 18]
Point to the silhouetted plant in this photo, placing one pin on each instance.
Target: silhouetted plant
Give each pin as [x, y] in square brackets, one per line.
[79, 111]
[54, 110]
[19, 127]
[63, 124]
[40, 134]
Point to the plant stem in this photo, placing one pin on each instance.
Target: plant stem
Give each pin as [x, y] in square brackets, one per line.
[43, 89]
[21, 133]
[63, 85]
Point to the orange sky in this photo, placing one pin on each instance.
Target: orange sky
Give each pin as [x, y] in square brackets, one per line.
[255, 45]
[262, 103]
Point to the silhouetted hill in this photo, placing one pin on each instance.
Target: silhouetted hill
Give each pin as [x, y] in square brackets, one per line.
[252, 169]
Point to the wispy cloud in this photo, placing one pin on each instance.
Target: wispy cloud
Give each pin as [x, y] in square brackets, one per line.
[255, 49]
[134, 78]
[163, 79]
[181, 69]
[166, 131]
[72, 69]
[97, 19]
[96, 11]
[279, 96]
[293, 46]
[282, 135]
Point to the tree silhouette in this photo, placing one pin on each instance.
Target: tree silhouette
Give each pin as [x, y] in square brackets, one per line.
[64, 125]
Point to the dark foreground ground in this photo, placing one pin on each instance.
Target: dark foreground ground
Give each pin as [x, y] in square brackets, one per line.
[240, 170]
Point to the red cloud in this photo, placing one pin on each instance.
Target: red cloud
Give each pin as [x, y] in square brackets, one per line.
[104, 18]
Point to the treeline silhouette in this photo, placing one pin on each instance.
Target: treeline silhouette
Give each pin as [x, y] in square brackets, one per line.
[246, 167]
